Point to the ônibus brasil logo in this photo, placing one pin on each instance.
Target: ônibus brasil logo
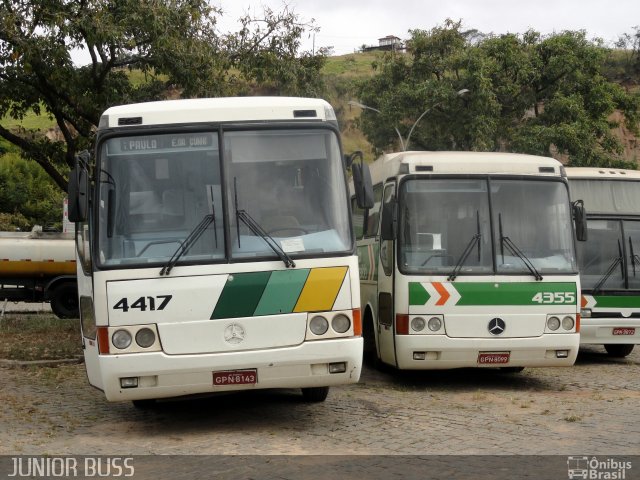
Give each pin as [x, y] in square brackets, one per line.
[597, 468]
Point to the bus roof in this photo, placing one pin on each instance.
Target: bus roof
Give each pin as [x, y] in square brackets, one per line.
[606, 173]
[393, 164]
[227, 109]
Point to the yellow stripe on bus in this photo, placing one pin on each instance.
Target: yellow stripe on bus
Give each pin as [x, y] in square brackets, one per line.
[321, 289]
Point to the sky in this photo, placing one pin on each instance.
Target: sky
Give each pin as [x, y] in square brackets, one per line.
[346, 25]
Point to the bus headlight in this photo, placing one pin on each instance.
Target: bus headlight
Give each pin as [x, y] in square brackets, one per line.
[340, 323]
[145, 337]
[434, 324]
[319, 325]
[567, 323]
[418, 324]
[121, 339]
[553, 323]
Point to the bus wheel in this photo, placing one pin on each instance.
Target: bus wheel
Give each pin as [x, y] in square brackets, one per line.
[315, 394]
[618, 350]
[145, 404]
[511, 369]
[368, 335]
[64, 301]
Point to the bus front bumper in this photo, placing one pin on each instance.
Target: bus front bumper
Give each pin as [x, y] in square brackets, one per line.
[162, 376]
[601, 331]
[433, 352]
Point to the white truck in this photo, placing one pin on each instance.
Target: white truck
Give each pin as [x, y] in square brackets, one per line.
[39, 266]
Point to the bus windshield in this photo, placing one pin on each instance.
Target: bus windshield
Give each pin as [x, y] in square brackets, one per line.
[156, 190]
[292, 183]
[482, 226]
[612, 244]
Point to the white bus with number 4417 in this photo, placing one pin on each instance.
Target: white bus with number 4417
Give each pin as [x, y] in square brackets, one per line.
[216, 252]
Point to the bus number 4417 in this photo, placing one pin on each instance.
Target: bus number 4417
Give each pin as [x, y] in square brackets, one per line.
[159, 302]
[554, 297]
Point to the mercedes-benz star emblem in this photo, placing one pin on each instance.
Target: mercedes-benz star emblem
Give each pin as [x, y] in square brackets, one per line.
[234, 333]
[496, 326]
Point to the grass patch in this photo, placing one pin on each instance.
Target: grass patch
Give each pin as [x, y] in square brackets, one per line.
[39, 337]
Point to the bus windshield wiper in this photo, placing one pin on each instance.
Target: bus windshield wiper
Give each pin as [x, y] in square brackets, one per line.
[465, 254]
[188, 242]
[513, 248]
[255, 227]
[605, 276]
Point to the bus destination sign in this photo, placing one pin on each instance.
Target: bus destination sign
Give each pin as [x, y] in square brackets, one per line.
[165, 142]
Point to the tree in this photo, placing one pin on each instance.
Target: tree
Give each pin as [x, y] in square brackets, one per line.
[528, 93]
[27, 196]
[174, 44]
[427, 79]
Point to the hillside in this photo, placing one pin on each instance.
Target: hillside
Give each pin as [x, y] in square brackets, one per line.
[342, 73]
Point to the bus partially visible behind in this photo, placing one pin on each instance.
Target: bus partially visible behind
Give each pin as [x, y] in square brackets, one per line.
[609, 260]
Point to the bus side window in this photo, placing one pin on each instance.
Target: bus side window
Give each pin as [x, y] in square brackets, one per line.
[357, 218]
[373, 219]
[386, 246]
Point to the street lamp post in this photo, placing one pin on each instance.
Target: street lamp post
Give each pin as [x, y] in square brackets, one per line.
[405, 143]
[353, 103]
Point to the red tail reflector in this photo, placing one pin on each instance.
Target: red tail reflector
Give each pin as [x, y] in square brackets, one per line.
[578, 323]
[402, 324]
[357, 322]
[103, 340]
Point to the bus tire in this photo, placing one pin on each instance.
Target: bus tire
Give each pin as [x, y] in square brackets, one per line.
[617, 350]
[315, 394]
[511, 369]
[145, 404]
[368, 335]
[64, 300]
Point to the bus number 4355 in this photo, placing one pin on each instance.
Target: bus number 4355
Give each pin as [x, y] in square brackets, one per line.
[143, 303]
[554, 297]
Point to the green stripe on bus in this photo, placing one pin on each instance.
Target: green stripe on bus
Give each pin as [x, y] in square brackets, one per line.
[282, 292]
[613, 301]
[417, 294]
[241, 294]
[491, 293]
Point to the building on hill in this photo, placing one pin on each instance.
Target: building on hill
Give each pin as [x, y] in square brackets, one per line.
[390, 42]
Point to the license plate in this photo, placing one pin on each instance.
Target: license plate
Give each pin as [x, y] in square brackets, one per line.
[624, 331]
[235, 377]
[493, 358]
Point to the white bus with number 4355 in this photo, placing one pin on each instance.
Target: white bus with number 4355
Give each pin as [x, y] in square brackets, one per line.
[468, 260]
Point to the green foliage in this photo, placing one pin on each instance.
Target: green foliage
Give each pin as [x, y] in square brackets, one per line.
[28, 196]
[623, 63]
[174, 46]
[527, 93]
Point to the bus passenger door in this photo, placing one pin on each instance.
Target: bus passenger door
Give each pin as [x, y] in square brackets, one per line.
[386, 235]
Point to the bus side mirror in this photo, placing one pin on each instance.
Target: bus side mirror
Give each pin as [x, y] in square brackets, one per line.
[389, 221]
[362, 182]
[580, 219]
[78, 189]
